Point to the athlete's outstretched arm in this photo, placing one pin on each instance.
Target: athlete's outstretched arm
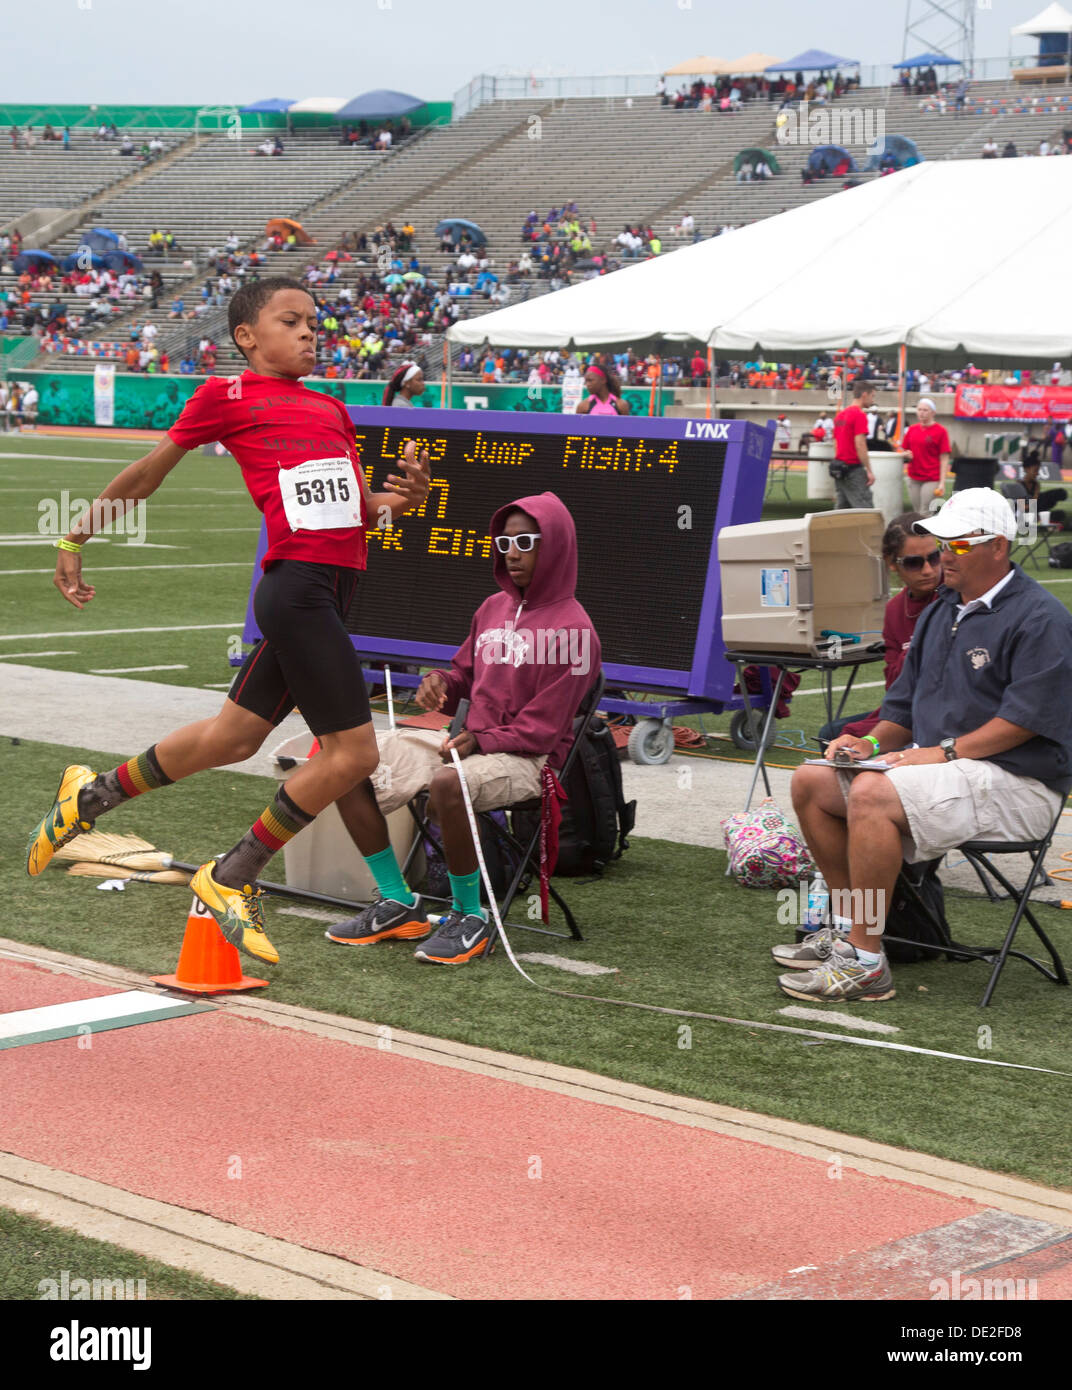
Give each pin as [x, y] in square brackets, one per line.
[136, 482]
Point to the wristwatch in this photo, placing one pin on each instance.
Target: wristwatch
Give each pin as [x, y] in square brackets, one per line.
[949, 748]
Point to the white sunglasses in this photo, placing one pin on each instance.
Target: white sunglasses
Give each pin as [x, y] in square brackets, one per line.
[525, 542]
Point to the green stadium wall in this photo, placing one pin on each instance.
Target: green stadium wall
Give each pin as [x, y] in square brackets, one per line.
[153, 402]
[183, 117]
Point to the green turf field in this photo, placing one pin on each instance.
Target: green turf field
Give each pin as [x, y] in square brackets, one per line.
[679, 934]
[32, 1251]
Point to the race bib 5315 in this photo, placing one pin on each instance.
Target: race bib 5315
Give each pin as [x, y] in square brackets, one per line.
[321, 495]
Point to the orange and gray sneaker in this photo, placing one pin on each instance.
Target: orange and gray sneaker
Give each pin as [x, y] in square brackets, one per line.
[62, 822]
[459, 940]
[384, 920]
[237, 912]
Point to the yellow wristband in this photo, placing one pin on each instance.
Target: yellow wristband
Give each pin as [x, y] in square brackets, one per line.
[71, 546]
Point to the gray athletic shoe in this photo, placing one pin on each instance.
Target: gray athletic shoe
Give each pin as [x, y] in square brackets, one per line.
[842, 980]
[385, 920]
[814, 950]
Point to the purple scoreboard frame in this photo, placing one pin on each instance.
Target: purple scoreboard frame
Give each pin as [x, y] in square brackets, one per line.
[708, 683]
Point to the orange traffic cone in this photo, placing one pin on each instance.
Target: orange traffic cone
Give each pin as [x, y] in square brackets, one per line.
[208, 963]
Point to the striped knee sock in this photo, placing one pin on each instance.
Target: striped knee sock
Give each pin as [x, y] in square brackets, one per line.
[109, 789]
[278, 823]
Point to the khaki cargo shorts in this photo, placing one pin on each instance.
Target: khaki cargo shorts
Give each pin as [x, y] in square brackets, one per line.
[409, 759]
[947, 804]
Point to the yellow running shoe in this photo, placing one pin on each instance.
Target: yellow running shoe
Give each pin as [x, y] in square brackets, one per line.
[62, 822]
[237, 912]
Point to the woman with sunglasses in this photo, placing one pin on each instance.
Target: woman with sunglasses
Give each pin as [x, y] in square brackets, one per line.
[916, 562]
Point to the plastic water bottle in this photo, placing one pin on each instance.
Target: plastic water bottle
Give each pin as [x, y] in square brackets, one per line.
[818, 900]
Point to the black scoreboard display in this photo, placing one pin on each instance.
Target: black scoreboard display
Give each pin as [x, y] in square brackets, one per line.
[647, 496]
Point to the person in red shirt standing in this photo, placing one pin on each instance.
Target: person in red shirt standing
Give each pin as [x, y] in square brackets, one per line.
[928, 445]
[915, 560]
[297, 452]
[851, 469]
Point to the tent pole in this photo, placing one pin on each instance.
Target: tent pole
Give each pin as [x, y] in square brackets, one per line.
[902, 360]
[711, 408]
[446, 394]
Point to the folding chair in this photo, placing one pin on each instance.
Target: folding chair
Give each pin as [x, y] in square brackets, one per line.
[523, 844]
[1016, 492]
[978, 853]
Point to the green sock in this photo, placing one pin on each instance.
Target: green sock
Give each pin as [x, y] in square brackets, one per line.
[466, 890]
[388, 876]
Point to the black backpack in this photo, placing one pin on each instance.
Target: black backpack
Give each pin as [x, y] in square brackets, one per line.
[596, 820]
[906, 920]
[1061, 556]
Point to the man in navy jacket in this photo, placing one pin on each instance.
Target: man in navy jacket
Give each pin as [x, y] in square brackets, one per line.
[977, 732]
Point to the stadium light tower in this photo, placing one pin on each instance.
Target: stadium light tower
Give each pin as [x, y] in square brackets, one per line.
[941, 26]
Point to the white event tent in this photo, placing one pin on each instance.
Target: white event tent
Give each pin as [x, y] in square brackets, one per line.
[966, 256]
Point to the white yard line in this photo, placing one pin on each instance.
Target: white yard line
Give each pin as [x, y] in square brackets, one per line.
[65, 458]
[574, 967]
[118, 631]
[865, 1025]
[117, 569]
[128, 670]
[15, 656]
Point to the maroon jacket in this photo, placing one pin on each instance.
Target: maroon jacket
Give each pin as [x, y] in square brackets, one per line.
[531, 656]
[902, 614]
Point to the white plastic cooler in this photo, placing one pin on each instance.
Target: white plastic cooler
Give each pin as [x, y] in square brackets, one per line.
[786, 582]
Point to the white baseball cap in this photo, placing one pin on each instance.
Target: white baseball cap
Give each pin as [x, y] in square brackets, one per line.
[972, 509]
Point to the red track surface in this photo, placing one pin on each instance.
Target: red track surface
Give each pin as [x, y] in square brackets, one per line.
[423, 1172]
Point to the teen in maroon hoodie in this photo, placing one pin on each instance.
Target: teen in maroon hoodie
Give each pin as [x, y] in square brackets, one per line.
[531, 656]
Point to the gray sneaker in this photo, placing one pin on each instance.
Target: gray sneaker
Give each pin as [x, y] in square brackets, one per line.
[814, 950]
[382, 921]
[842, 979]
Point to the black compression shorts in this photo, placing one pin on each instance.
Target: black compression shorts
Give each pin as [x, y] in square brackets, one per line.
[305, 658]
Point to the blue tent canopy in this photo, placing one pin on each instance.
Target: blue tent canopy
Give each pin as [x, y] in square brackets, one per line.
[123, 261]
[457, 225]
[903, 151]
[33, 261]
[83, 259]
[928, 60]
[812, 60]
[828, 157]
[269, 104]
[372, 105]
[106, 233]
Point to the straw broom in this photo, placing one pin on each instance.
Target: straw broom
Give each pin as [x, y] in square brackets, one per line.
[98, 870]
[131, 852]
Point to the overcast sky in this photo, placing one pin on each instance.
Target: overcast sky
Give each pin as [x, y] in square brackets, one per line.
[220, 51]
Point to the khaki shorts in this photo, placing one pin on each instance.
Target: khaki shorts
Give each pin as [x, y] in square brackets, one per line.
[947, 804]
[409, 759]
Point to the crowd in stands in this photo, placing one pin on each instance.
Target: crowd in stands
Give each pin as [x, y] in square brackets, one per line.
[381, 136]
[732, 93]
[1045, 147]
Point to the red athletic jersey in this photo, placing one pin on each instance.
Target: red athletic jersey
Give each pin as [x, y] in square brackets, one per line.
[926, 444]
[848, 423]
[270, 423]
